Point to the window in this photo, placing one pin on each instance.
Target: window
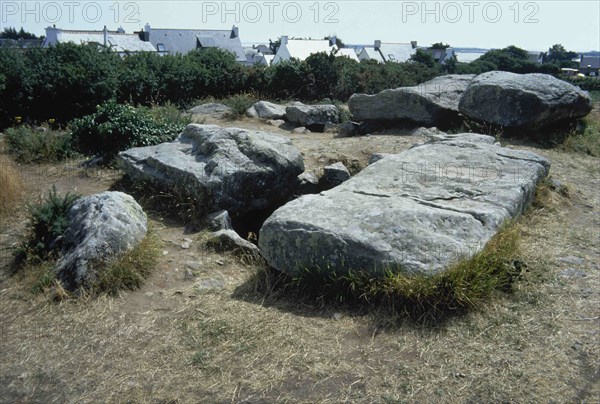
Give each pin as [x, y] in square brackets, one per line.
[160, 47]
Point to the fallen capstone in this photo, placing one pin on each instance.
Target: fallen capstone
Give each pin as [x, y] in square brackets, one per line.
[416, 212]
[312, 116]
[266, 110]
[220, 168]
[211, 110]
[523, 100]
[101, 228]
[433, 103]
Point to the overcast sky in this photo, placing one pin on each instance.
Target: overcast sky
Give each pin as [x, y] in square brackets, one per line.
[533, 25]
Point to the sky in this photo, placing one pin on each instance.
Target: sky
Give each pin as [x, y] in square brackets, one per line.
[532, 25]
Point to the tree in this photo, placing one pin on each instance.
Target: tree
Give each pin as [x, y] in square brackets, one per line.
[439, 45]
[423, 58]
[11, 33]
[559, 56]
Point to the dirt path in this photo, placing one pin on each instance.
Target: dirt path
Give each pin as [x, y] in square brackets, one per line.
[210, 338]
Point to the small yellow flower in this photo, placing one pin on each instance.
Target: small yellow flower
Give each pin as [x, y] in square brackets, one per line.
[18, 118]
[51, 120]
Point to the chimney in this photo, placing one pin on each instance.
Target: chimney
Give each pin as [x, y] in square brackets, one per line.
[235, 32]
[145, 33]
[332, 40]
[121, 30]
[51, 35]
[105, 32]
[414, 44]
[377, 44]
[284, 39]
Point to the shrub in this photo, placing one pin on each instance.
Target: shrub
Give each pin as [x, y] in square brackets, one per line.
[11, 185]
[168, 113]
[47, 224]
[35, 145]
[239, 103]
[117, 127]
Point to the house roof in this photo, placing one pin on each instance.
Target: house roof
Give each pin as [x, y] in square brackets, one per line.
[369, 52]
[592, 61]
[397, 52]
[347, 52]
[440, 55]
[185, 40]
[303, 48]
[119, 42]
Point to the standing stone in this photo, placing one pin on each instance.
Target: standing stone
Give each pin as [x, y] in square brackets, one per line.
[266, 110]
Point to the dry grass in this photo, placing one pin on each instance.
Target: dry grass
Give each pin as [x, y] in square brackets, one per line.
[11, 185]
[172, 341]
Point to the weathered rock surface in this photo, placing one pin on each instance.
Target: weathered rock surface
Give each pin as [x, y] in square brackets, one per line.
[335, 174]
[221, 168]
[348, 129]
[434, 102]
[211, 110]
[523, 100]
[219, 221]
[229, 240]
[312, 115]
[415, 212]
[307, 183]
[101, 228]
[266, 110]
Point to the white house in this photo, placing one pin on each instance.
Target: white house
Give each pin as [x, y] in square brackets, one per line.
[388, 52]
[117, 41]
[302, 48]
[347, 52]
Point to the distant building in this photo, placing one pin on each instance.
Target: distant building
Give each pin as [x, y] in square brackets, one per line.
[182, 41]
[568, 72]
[440, 56]
[535, 57]
[388, 52]
[302, 48]
[21, 43]
[117, 41]
[590, 65]
[347, 52]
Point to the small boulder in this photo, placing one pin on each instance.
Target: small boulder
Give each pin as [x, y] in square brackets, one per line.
[211, 110]
[219, 221]
[301, 130]
[312, 116]
[348, 129]
[523, 100]
[308, 183]
[101, 228]
[229, 240]
[335, 174]
[266, 110]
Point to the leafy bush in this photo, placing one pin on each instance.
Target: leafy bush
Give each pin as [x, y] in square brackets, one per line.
[47, 224]
[35, 145]
[11, 185]
[117, 127]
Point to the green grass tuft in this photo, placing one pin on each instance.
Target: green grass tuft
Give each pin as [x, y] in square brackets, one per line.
[239, 103]
[42, 145]
[584, 140]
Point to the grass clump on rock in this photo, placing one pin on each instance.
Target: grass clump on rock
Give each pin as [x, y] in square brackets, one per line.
[464, 285]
